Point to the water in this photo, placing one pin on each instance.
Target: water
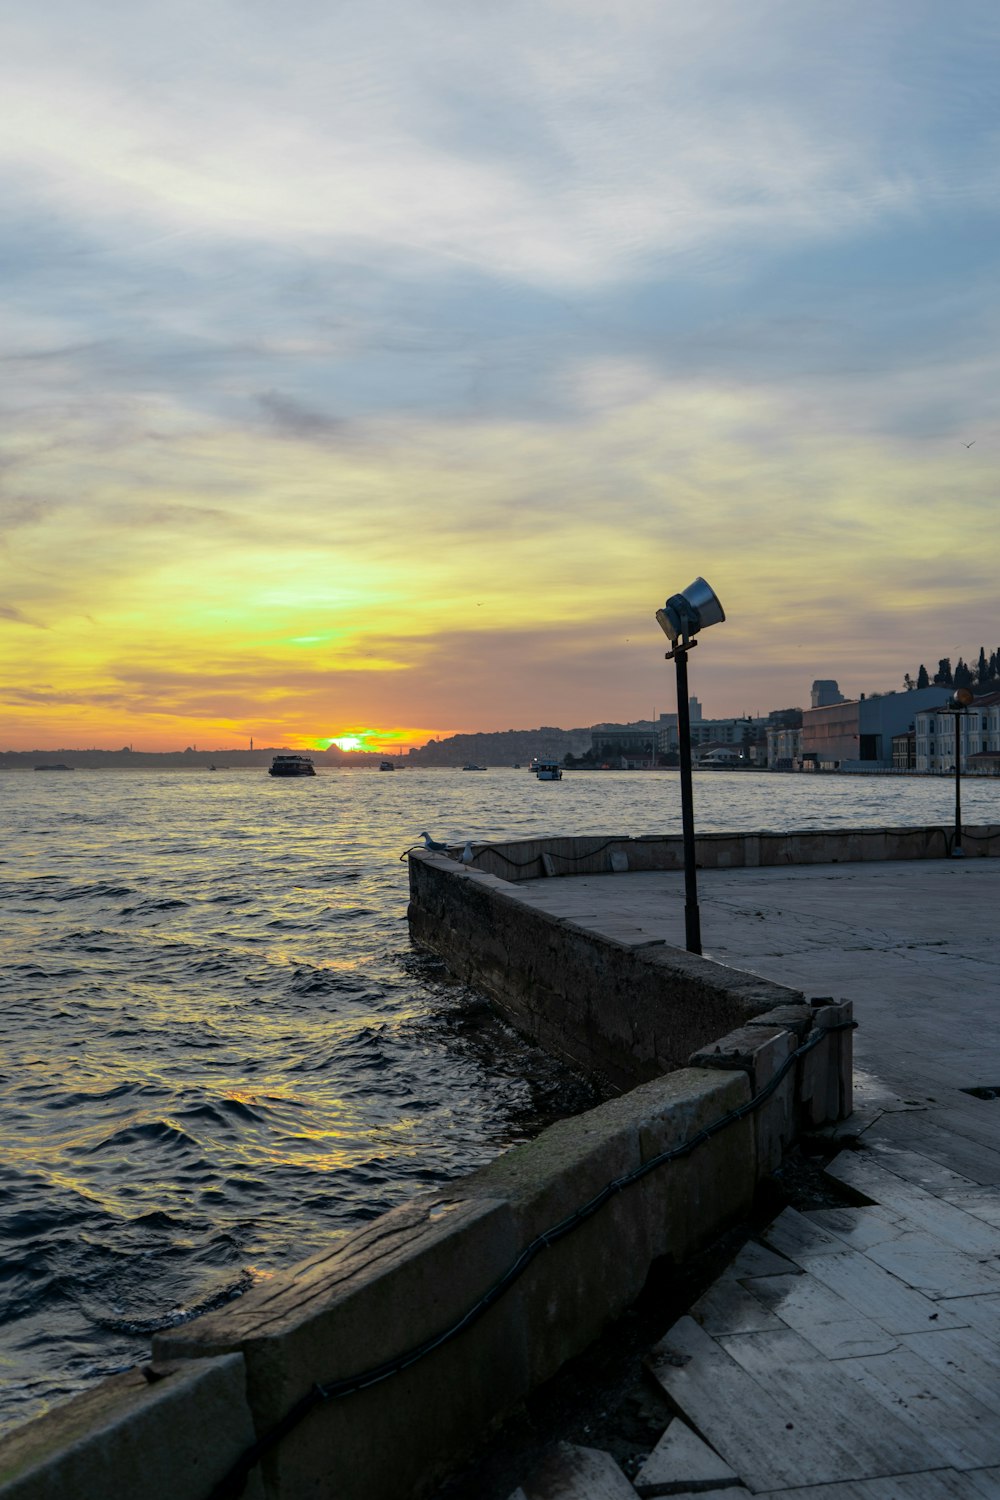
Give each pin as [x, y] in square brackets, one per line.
[221, 1050]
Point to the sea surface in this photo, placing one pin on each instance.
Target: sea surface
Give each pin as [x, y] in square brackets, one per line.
[219, 1048]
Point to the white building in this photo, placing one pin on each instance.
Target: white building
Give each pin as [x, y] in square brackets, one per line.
[978, 737]
[719, 732]
[722, 757]
[784, 747]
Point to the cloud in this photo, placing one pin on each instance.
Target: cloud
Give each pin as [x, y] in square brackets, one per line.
[8, 612]
[365, 365]
[550, 144]
[295, 420]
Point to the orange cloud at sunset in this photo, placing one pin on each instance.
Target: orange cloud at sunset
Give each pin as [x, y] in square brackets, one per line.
[461, 577]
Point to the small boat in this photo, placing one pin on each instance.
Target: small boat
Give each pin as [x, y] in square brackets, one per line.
[57, 767]
[471, 766]
[547, 770]
[386, 765]
[292, 765]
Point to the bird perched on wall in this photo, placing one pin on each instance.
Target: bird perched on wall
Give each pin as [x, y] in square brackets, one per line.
[468, 854]
[433, 844]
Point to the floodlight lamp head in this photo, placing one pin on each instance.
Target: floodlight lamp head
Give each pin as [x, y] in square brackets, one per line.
[961, 697]
[685, 614]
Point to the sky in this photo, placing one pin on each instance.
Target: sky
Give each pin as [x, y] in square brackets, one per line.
[376, 371]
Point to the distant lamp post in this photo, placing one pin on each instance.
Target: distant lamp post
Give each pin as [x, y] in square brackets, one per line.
[960, 700]
[680, 619]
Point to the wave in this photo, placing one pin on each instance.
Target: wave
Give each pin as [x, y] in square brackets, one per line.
[159, 1133]
[152, 907]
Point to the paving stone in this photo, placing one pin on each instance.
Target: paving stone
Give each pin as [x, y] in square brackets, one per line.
[823, 1318]
[568, 1472]
[680, 1462]
[728, 1307]
[931, 1484]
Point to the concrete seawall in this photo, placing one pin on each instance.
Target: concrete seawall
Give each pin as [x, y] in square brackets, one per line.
[618, 1009]
[526, 859]
[379, 1365]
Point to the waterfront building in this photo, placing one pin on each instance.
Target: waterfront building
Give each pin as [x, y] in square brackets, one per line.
[719, 757]
[978, 737]
[784, 747]
[904, 751]
[634, 744]
[857, 734]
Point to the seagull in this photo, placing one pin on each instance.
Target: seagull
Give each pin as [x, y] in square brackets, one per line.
[468, 854]
[969, 445]
[430, 843]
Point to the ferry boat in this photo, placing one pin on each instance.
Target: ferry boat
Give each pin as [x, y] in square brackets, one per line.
[470, 765]
[292, 765]
[547, 770]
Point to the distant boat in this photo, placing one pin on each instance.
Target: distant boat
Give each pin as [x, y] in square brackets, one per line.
[57, 767]
[387, 765]
[471, 766]
[547, 770]
[292, 765]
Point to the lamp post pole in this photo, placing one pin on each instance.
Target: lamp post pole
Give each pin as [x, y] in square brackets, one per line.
[956, 848]
[692, 916]
[960, 699]
[680, 619]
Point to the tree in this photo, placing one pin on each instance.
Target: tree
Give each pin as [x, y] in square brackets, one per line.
[942, 677]
[908, 682]
[963, 675]
[922, 678]
[982, 668]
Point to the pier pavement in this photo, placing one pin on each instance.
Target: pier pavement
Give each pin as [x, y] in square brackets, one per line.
[849, 1352]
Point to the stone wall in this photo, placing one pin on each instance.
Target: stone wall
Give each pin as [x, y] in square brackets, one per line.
[527, 859]
[621, 1011]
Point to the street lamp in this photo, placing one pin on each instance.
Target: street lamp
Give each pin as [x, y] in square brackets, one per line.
[680, 619]
[960, 700]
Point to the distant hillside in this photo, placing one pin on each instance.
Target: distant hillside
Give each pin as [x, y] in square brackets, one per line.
[508, 747]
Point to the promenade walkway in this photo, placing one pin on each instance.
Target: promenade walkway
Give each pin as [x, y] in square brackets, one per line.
[850, 1352]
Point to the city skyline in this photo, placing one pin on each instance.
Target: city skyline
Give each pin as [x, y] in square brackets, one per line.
[376, 375]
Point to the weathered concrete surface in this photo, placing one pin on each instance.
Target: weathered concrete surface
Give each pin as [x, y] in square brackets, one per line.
[406, 1277]
[595, 854]
[759, 1052]
[169, 1437]
[592, 1275]
[413, 1273]
[609, 999]
[913, 944]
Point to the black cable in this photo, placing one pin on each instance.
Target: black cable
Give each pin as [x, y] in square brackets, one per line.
[572, 859]
[233, 1483]
[522, 864]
